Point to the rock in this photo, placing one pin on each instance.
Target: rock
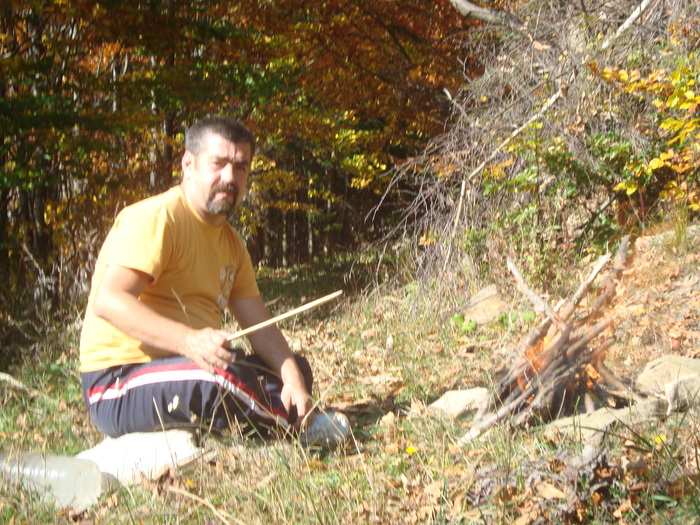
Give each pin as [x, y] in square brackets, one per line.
[457, 403]
[682, 394]
[595, 425]
[664, 370]
[485, 305]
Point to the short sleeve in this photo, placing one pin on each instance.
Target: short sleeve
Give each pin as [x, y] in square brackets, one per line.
[141, 240]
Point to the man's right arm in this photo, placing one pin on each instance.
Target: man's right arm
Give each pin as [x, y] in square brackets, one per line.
[117, 302]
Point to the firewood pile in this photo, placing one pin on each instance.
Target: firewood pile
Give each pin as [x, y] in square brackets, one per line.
[560, 367]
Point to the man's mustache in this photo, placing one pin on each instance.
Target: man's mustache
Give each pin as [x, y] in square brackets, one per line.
[224, 187]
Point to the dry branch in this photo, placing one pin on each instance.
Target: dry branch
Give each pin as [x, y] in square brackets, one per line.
[539, 303]
[18, 385]
[14, 383]
[469, 9]
[626, 25]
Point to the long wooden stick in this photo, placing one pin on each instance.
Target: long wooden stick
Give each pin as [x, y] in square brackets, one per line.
[281, 317]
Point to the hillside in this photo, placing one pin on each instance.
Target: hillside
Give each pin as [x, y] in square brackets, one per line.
[655, 313]
[382, 364]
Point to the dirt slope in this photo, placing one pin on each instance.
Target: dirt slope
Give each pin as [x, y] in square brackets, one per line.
[657, 308]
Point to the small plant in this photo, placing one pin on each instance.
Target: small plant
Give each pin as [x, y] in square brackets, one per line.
[464, 325]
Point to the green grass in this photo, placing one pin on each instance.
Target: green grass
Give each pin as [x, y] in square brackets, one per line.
[403, 464]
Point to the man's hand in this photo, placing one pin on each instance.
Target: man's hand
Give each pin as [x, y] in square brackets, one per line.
[208, 348]
[298, 397]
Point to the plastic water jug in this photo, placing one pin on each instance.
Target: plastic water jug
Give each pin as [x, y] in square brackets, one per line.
[68, 481]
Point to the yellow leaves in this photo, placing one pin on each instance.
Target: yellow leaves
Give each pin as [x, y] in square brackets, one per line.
[630, 186]
[632, 77]
[694, 200]
[683, 98]
[350, 136]
[681, 127]
[656, 164]
[497, 171]
[261, 162]
[680, 162]
[632, 80]
[428, 238]
[368, 170]
[360, 183]
[446, 170]
[672, 191]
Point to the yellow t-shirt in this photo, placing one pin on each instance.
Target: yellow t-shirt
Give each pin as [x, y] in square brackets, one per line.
[195, 267]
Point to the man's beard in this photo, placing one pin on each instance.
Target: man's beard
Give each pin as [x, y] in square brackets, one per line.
[222, 207]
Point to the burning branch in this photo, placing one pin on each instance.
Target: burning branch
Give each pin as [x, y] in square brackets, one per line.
[559, 368]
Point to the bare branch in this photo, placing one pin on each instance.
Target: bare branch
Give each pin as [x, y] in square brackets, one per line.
[536, 300]
[488, 159]
[626, 25]
[576, 299]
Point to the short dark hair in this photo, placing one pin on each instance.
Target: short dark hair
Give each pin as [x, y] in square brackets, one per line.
[230, 129]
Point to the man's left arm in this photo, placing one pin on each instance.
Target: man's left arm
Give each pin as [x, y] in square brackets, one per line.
[271, 346]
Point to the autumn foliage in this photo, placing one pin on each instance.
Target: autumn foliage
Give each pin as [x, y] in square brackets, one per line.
[377, 121]
[96, 96]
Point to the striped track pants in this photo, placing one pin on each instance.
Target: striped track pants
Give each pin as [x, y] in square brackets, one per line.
[172, 392]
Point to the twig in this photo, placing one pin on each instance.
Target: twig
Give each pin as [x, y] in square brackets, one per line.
[549, 357]
[549, 373]
[587, 337]
[554, 353]
[204, 502]
[18, 385]
[619, 387]
[609, 286]
[576, 298]
[534, 335]
[539, 303]
[14, 383]
[589, 403]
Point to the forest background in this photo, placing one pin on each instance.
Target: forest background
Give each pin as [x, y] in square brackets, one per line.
[406, 143]
[378, 122]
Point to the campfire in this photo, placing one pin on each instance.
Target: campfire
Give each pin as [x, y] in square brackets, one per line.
[560, 369]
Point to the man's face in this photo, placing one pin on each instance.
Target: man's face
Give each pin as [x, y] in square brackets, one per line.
[216, 178]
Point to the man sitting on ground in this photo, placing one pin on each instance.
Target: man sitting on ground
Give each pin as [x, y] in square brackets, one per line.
[152, 354]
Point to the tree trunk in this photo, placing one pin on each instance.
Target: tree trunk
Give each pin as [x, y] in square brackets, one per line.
[169, 135]
[273, 237]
